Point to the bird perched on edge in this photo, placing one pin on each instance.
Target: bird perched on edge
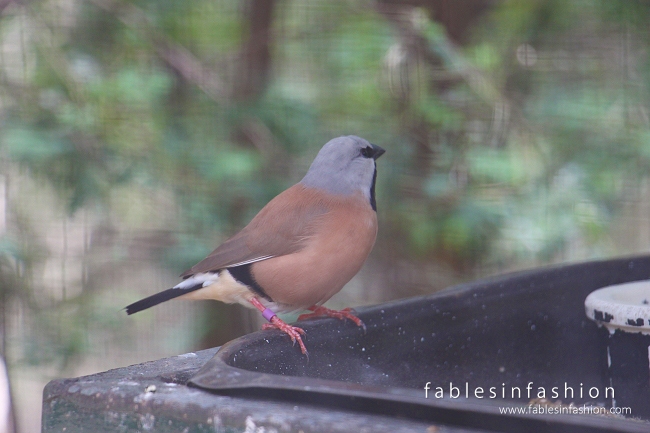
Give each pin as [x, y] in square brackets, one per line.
[300, 249]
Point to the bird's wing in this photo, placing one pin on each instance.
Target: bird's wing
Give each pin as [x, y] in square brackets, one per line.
[280, 228]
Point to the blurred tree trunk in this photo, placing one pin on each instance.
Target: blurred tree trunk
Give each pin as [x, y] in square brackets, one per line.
[227, 322]
[255, 53]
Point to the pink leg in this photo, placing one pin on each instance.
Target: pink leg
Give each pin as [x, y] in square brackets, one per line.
[293, 331]
[276, 323]
[346, 313]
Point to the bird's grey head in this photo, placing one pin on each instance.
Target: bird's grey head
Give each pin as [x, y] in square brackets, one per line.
[345, 165]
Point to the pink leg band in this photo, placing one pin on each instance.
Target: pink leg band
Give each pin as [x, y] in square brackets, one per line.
[268, 314]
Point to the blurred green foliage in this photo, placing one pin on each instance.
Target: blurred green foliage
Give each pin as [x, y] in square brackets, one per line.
[505, 146]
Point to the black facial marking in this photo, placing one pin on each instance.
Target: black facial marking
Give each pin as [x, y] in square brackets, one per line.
[367, 152]
[373, 202]
[244, 275]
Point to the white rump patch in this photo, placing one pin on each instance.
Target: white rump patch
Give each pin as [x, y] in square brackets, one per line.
[217, 286]
[205, 279]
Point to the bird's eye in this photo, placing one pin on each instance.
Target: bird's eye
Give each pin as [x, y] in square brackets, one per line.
[366, 152]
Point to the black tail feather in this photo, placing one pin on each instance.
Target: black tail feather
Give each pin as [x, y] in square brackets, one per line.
[158, 298]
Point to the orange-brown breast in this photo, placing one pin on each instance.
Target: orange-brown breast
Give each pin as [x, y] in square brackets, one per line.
[339, 244]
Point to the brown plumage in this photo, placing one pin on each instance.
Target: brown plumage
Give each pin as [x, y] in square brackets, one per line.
[280, 228]
[301, 248]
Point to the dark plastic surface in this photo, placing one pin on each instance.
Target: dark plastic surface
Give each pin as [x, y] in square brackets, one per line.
[629, 353]
[503, 332]
[152, 397]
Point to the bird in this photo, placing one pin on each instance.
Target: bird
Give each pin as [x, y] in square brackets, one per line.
[300, 249]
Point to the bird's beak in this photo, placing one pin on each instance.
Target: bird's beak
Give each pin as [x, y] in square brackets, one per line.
[378, 151]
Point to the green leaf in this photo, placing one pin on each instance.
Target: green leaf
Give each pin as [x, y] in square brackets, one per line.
[32, 145]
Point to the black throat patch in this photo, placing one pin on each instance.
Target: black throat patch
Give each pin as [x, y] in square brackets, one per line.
[244, 275]
[373, 202]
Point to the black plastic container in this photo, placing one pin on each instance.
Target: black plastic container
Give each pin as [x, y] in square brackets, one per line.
[526, 331]
[624, 310]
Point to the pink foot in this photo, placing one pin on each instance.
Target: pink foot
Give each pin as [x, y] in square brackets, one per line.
[346, 313]
[292, 331]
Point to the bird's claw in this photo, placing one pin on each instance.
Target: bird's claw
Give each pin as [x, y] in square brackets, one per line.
[343, 314]
[293, 332]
